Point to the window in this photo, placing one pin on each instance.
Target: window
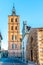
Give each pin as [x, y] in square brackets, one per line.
[13, 46]
[11, 27]
[20, 40]
[11, 19]
[16, 28]
[15, 37]
[12, 37]
[16, 20]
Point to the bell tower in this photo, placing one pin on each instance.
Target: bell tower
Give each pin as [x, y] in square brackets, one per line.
[14, 36]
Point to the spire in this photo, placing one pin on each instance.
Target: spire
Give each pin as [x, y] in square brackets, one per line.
[13, 10]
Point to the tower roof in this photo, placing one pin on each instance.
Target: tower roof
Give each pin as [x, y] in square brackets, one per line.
[13, 11]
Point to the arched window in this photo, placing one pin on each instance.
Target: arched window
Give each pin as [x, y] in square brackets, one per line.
[20, 40]
[16, 20]
[12, 27]
[16, 28]
[15, 37]
[11, 19]
[12, 37]
[13, 46]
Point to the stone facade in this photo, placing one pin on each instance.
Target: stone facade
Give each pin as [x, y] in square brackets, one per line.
[14, 36]
[35, 46]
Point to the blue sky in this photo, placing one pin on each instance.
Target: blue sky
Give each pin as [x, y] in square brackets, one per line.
[29, 10]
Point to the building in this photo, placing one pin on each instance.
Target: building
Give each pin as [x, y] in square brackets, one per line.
[14, 36]
[25, 35]
[35, 46]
